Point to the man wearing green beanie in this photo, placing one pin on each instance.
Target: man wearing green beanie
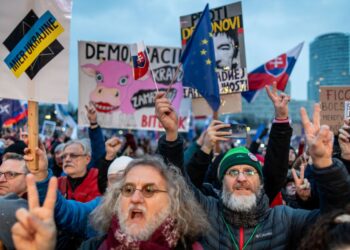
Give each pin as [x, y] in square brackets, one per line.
[241, 217]
[242, 178]
[238, 156]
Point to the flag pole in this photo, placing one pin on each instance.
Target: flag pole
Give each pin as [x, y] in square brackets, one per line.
[174, 77]
[217, 150]
[150, 67]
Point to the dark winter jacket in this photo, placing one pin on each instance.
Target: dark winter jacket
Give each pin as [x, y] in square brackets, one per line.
[274, 171]
[280, 227]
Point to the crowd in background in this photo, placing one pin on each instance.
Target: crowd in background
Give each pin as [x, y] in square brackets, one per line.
[169, 193]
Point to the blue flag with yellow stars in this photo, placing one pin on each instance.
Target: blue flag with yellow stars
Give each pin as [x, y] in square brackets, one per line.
[198, 62]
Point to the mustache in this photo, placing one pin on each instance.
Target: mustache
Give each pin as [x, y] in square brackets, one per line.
[239, 185]
[137, 207]
[68, 165]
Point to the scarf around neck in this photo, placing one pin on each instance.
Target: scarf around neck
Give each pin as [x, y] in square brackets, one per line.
[164, 238]
[247, 218]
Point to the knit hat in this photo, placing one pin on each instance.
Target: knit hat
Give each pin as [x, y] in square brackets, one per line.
[119, 164]
[17, 147]
[238, 156]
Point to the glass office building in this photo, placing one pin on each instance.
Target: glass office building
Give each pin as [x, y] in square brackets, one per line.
[329, 62]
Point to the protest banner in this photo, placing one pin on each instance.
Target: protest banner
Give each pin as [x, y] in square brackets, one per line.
[332, 100]
[34, 53]
[48, 128]
[228, 36]
[106, 81]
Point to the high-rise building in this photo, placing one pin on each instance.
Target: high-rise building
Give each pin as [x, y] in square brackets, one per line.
[329, 62]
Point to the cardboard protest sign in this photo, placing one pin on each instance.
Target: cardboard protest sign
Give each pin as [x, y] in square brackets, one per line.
[332, 100]
[48, 128]
[106, 81]
[34, 49]
[228, 36]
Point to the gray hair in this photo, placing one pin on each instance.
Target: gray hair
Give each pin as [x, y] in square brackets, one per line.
[85, 144]
[16, 157]
[191, 220]
[59, 147]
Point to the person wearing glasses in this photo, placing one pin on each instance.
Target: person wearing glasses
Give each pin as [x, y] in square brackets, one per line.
[240, 217]
[13, 194]
[149, 207]
[12, 174]
[81, 183]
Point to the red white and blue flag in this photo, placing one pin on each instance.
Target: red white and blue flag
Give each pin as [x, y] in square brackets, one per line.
[276, 71]
[139, 59]
[11, 112]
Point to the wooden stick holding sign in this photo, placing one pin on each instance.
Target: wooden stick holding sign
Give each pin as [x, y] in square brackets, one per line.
[33, 134]
[217, 149]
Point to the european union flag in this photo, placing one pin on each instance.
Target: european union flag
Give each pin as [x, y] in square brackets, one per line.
[198, 60]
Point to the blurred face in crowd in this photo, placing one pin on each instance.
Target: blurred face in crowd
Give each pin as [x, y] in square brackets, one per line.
[58, 158]
[290, 188]
[9, 142]
[24, 137]
[225, 51]
[241, 185]
[75, 161]
[292, 156]
[12, 177]
[142, 211]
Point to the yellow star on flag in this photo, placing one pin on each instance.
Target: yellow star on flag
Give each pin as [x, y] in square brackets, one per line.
[203, 52]
[204, 41]
[208, 62]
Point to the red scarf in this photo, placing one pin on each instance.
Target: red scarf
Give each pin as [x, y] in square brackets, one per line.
[164, 238]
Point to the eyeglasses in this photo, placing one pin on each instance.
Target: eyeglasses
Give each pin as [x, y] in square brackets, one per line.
[147, 191]
[10, 175]
[246, 172]
[71, 155]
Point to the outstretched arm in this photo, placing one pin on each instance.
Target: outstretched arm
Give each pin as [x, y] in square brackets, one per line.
[69, 215]
[330, 174]
[276, 160]
[95, 135]
[170, 146]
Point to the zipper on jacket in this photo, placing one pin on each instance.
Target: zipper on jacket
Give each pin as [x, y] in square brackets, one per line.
[241, 238]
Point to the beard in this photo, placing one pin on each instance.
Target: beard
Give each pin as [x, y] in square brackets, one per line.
[239, 203]
[134, 231]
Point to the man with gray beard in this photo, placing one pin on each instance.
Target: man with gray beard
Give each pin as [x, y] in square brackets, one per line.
[149, 207]
[241, 218]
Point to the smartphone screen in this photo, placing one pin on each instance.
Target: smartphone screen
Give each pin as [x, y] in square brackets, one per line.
[238, 131]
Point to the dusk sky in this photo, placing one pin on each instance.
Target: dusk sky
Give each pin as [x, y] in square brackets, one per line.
[270, 28]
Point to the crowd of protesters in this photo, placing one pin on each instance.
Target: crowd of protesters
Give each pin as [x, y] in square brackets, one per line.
[109, 193]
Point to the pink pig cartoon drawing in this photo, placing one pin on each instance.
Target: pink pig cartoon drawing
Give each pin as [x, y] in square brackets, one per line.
[116, 90]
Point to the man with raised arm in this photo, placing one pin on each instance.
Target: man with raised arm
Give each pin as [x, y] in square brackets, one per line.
[241, 217]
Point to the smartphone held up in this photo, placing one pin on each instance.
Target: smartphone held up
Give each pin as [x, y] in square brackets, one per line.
[238, 131]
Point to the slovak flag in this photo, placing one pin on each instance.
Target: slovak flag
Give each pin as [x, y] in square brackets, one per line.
[139, 59]
[276, 71]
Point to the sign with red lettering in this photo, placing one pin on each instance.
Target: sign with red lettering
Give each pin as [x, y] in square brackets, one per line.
[106, 81]
[332, 100]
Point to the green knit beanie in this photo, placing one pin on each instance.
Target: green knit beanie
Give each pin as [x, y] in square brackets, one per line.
[238, 156]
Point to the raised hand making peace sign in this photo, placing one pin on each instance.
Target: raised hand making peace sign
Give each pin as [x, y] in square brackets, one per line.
[36, 228]
[319, 138]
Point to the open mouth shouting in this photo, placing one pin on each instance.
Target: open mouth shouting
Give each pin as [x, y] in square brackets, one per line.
[136, 214]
